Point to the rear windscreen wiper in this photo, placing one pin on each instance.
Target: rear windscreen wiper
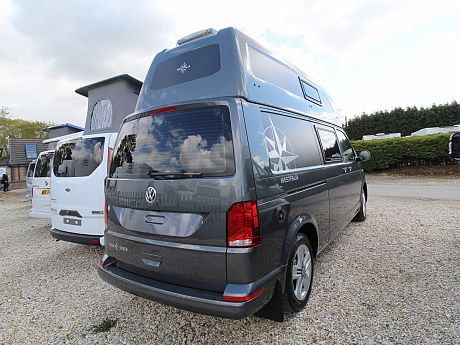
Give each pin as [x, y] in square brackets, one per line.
[172, 175]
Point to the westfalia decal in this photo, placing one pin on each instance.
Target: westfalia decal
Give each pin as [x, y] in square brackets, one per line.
[290, 178]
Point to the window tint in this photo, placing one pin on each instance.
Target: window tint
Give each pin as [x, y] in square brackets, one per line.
[290, 142]
[43, 165]
[267, 68]
[30, 171]
[329, 144]
[195, 140]
[31, 151]
[78, 157]
[345, 146]
[101, 117]
[194, 64]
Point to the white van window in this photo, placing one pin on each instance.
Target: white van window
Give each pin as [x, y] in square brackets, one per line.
[43, 165]
[30, 170]
[197, 140]
[101, 117]
[78, 157]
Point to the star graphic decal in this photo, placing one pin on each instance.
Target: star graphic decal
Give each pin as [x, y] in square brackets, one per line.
[278, 151]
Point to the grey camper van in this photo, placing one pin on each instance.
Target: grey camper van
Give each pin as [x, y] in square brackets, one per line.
[227, 181]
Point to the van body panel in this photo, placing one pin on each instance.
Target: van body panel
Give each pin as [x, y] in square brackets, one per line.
[166, 236]
[41, 184]
[77, 202]
[187, 221]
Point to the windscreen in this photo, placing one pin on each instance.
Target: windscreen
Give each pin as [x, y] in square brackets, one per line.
[197, 140]
[43, 165]
[78, 158]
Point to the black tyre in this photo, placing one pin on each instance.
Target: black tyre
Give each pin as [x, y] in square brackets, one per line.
[362, 214]
[299, 275]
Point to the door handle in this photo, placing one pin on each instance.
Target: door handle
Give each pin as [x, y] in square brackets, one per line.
[346, 169]
[67, 189]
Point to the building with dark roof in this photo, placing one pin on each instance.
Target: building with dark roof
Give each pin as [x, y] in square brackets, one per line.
[62, 129]
[22, 152]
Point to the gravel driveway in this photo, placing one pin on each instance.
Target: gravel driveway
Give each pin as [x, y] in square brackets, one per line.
[392, 279]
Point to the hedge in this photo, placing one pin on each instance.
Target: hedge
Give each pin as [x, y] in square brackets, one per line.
[404, 121]
[398, 152]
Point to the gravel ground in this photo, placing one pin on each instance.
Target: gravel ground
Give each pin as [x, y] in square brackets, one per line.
[392, 279]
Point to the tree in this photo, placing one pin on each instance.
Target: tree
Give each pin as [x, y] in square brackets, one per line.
[17, 128]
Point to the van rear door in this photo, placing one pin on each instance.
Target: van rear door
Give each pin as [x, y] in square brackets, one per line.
[172, 179]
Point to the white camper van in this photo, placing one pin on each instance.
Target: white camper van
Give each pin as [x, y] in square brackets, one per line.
[80, 165]
[29, 179]
[41, 185]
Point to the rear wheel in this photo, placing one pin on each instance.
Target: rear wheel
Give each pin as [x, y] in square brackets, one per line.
[299, 275]
[362, 214]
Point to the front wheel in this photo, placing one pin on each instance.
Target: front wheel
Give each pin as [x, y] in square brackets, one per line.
[299, 275]
[362, 214]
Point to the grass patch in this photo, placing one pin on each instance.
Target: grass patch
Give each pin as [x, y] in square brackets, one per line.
[104, 326]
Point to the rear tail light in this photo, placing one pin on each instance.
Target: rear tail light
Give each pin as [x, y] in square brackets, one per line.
[229, 298]
[109, 159]
[162, 110]
[106, 213]
[243, 225]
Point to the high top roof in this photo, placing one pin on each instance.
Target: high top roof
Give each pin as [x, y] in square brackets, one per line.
[230, 64]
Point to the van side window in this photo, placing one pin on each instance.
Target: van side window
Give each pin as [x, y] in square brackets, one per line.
[345, 146]
[290, 142]
[310, 92]
[329, 144]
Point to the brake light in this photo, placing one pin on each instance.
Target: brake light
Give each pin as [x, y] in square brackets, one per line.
[106, 213]
[162, 110]
[243, 298]
[109, 158]
[243, 225]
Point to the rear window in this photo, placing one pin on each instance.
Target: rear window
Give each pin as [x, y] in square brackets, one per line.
[194, 64]
[43, 165]
[30, 170]
[78, 158]
[195, 140]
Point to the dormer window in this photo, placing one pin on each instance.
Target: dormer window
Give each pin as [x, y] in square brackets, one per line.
[101, 116]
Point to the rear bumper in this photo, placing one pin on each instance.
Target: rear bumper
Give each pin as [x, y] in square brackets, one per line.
[76, 238]
[39, 214]
[194, 300]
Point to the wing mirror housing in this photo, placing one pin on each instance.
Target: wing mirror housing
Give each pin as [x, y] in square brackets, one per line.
[454, 147]
[364, 156]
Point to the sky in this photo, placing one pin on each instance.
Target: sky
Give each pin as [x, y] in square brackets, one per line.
[368, 55]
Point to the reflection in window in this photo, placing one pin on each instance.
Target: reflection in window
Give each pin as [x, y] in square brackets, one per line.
[101, 116]
[31, 151]
[78, 157]
[43, 165]
[189, 140]
[329, 143]
[345, 147]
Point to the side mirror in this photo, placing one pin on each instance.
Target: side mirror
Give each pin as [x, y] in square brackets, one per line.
[454, 147]
[364, 156]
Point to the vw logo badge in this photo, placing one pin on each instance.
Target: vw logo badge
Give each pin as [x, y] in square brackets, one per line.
[150, 195]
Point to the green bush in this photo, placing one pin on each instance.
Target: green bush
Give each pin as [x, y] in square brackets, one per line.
[398, 152]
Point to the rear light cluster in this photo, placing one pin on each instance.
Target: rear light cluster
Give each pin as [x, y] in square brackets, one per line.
[243, 225]
[109, 159]
[230, 298]
[106, 214]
